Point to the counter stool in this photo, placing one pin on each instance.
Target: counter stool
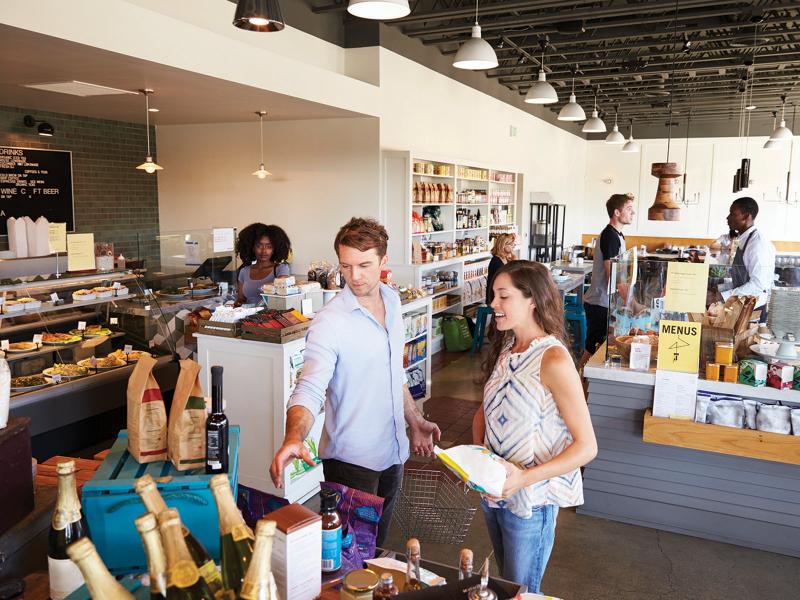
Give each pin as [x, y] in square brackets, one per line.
[481, 317]
[574, 313]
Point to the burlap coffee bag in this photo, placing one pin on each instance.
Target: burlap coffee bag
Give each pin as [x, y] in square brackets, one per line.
[147, 417]
[187, 420]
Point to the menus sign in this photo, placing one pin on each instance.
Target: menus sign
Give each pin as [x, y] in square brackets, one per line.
[679, 346]
[35, 183]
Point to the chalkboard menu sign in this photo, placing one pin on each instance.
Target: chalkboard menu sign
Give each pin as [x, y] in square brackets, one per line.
[35, 183]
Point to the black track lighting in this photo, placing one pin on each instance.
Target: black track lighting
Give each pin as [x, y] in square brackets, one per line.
[44, 128]
[259, 15]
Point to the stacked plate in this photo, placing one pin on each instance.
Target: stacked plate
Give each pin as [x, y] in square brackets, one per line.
[784, 313]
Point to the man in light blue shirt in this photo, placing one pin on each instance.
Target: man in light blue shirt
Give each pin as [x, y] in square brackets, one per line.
[353, 369]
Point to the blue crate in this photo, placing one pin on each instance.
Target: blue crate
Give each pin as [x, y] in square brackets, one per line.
[110, 504]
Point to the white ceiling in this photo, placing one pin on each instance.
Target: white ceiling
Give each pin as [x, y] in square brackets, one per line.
[182, 97]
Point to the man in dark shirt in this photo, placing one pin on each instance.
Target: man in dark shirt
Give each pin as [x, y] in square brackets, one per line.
[610, 245]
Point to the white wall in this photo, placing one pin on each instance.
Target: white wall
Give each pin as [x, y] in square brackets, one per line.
[710, 168]
[324, 172]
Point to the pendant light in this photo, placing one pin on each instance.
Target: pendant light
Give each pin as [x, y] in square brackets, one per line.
[149, 165]
[541, 92]
[782, 133]
[631, 145]
[572, 111]
[379, 10]
[594, 124]
[770, 143]
[261, 173]
[476, 54]
[259, 15]
[615, 137]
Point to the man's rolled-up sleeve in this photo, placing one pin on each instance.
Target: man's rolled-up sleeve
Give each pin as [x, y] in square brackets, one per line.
[319, 362]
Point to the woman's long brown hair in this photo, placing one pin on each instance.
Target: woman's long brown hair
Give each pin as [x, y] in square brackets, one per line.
[534, 281]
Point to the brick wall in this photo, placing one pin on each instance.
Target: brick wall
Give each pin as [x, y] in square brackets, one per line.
[111, 198]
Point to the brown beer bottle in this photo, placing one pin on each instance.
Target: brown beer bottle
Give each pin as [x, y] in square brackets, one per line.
[183, 577]
[259, 582]
[101, 583]
[236, 538]
[148, 492]
[154, 550]
[413, 579]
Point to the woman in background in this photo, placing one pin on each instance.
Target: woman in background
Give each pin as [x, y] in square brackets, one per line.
[534, 416]
[264, 251]
[502, 253]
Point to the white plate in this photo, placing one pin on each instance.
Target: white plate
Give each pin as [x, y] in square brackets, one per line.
[84, 298]
[560, 278]
[48, 373]
[767, 351]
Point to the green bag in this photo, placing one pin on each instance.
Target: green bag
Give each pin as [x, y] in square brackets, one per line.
[457, 337]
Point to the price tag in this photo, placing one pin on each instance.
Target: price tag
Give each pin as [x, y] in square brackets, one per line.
[223, 287]
[93, 361]
[148, 292]
[56, 378]
[54, 298]
[128, 349]
[37, 338]
[4, 345]
[191, 283]
[147, 307]
[658, 304]
[116, 285]
[3, 299]
[114, 321]
[152, 343]
[81, 325]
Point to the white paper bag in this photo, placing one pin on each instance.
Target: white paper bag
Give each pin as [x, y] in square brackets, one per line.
[5, 392]
[30, 232]
[17, 237]
[42, 245]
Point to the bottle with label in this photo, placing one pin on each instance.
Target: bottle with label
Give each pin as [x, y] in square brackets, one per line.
[148, 492]
[413, 578]
[331, 531]
[386, 588]
[67, 526]
[154, 550]
[465, 559]
[216, 428]
[102, 584]
[259, 582]
[236, 538]
[183, 577]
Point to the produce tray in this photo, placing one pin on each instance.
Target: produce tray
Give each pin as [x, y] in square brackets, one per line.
[230, 330]
[273, 335]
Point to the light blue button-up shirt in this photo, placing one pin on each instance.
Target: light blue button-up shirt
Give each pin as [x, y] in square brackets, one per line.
[353, 367]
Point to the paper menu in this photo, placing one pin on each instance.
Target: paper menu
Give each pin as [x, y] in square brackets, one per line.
[57, 237]
[224, 239]
[686, 287]
[80, 252]
[675, 394]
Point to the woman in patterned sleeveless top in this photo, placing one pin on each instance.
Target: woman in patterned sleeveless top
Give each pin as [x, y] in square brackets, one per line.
[535, 417]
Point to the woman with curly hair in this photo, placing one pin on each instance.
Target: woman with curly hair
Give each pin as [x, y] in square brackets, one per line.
[264, 251]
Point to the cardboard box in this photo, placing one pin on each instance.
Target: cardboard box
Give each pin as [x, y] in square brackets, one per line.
[753, 372]
[796, 385]
[297, 552]
[780, 376]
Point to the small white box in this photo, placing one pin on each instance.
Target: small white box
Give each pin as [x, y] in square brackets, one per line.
[297, 552]
[286, 280]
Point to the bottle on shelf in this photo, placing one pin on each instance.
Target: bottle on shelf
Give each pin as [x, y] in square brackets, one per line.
[147, 525]
[216, 428]
[66, 526]
[465, 564]
[236, 538]
[146, 488]
[386, 588]
[331, 532]
[259, 582]
[183, 577]
[413, 578]
[102, 584]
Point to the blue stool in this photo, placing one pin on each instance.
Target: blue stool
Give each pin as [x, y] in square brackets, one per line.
[480, 327]
[574, 313]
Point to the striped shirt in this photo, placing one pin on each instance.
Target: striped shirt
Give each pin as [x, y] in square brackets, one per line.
[525, 427]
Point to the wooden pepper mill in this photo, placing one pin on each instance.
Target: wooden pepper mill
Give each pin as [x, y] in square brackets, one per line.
[666, 207]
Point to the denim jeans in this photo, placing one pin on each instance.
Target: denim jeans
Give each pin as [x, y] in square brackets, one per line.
[522, 546]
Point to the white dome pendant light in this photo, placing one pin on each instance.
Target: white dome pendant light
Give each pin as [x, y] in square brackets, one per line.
[631, 145]
[770, 143]
[594, 124]
[476, 54]
[615, 137]
[572, 111]
[782, 133]
[149, 166]
[261, 173]
[541, 92]
[379, 10]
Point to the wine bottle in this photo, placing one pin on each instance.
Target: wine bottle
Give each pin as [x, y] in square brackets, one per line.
[154, 550]
[465, 561]
[413, 579]
[236, 539]
[101, 583]
[148, 492]
[66, 526]
[259, 582]
[183, 577]
[216, 428]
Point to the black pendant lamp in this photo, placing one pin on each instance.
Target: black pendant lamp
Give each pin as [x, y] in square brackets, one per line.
[259, 15]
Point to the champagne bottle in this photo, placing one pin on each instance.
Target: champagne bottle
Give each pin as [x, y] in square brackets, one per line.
[67, 526]
[259, 582]
[465, 560]
[101, 583]
[216, 428]
[183, 577]
[413, 579]
[236, 539]
[156, 560]
[148, 492]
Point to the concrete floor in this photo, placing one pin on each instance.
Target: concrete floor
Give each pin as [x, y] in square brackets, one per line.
[596, 559]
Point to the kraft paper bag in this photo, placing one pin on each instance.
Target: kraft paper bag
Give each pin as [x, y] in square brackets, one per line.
[187, 420]
[147, 417]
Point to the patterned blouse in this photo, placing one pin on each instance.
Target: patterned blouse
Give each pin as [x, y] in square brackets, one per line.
[524, 426]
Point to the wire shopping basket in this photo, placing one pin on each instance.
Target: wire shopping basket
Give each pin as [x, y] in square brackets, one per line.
[433, 508]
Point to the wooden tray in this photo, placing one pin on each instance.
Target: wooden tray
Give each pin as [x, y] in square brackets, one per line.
[275, 335]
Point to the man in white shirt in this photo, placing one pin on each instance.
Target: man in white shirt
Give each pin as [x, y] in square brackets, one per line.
[753, 269]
